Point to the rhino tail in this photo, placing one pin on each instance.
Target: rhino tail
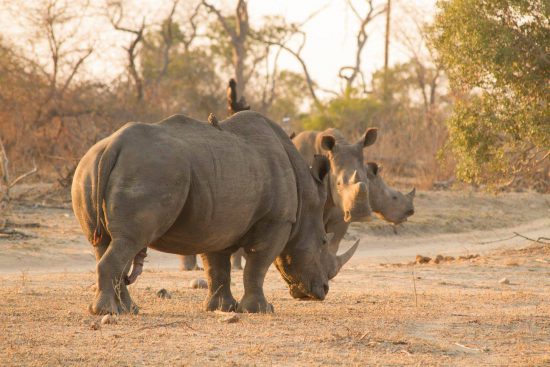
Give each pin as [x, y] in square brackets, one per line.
[104, 168]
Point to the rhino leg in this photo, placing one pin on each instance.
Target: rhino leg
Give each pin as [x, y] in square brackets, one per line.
[112, 295]
[258, 259]
[218, 271]
[237, 260]
[189, 262]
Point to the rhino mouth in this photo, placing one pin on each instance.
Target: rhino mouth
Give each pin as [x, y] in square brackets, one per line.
[300, 291]
[316, 294]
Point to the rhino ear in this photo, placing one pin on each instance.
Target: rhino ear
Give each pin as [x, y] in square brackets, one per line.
[328, 142]
[372, 169]
[369, 138]
[320, 167]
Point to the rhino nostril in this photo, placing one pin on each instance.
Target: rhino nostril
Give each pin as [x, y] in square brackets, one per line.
[410, 212]
[325, 287]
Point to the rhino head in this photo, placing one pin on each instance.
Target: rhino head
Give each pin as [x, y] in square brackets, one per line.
[348, 181]
[387, 203]
[306, 264]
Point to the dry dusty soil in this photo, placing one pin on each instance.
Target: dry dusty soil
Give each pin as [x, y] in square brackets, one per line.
[382, 309]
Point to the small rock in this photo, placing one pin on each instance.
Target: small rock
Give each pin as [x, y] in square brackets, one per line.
[108, 319]
[95, 325]
[164, 294]
[468, 257]
[449, 258]
[198, 284]
[504, 281]
[230, 318]
[422, 259]
[438, 259]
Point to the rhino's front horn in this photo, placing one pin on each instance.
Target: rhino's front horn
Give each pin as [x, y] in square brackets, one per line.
[344, 258]
[412, 193]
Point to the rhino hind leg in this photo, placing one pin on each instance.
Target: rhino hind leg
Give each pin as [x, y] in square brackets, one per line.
[189, 263]
[112, 296]
[217, 266]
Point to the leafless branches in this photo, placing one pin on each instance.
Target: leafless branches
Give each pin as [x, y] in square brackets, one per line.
[116, 19]
[238, 34]
[361, 40]
[57, 23]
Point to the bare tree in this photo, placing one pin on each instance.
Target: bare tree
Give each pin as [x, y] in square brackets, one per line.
[297, 55]
[116, 18]
[281, 40]
[361, 40]
[167, 34]
[427, 71]
[238, 34]
[57, 24]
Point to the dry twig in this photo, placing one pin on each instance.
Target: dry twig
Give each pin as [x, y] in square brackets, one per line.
[156, 326]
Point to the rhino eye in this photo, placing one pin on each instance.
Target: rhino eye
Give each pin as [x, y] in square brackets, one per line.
[394, 197]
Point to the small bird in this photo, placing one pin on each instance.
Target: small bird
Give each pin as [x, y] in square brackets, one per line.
[213, 120]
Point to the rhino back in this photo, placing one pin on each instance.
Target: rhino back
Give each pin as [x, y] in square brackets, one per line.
[239, 175]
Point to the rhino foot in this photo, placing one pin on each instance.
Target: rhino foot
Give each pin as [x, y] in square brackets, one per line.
[255, 304]
[217, 302]
[112, 303]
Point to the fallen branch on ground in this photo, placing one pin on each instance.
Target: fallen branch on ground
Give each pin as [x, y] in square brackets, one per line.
[155, 326]
[543, 240]
[9, 232]
[538, 240]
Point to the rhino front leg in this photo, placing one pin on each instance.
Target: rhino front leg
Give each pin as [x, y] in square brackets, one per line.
[189, 263]
[112, 295]
[218, 270]
[258, 259]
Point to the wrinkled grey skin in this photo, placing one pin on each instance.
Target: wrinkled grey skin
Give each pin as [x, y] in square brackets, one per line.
[348, 197]
[181, 186]
[386, 202]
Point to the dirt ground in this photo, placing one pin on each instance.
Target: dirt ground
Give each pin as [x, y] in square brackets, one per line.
[382, 309]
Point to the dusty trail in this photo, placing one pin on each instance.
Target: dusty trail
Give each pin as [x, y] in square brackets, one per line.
[447, 223]
[459, 314]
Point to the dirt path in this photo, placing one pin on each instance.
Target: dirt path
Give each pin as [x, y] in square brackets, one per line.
[447, 223]
[377, 313]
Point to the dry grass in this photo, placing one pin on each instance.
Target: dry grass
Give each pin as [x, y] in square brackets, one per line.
[463, 317]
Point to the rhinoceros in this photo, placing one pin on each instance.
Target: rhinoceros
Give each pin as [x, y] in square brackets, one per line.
[348, 171]
[348, 193]
[386, 202]
[182, 186]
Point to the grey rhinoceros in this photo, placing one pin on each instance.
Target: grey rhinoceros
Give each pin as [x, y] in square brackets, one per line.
[184, 187]
[386, 202]
[349, 179]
